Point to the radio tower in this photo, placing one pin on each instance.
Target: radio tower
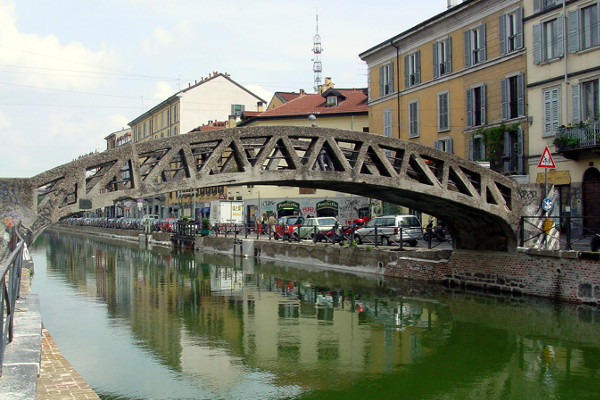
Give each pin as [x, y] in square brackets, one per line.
[317, 67]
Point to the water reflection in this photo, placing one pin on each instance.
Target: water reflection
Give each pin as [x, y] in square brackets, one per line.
[163, 325]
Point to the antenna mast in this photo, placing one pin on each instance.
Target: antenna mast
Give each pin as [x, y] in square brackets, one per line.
[317, 67]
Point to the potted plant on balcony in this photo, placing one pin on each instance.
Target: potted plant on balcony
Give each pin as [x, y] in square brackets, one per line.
[564, 142]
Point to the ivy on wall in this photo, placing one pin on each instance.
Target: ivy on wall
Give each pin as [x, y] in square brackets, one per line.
[494, 143]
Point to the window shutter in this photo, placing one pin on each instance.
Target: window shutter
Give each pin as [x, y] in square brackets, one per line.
[469, 107]
[483, 117]
[391, 77]
[435, 60]
[418, 67]
[406, 72]
[482, 154]
[560, 36]
[448, 61]
[537, 6]
[576, 104]
[507, 151]
[503, 34]
[537, 44]
[521, 95]
[519, 28]
[437, 144]
[482, 43]
[573, 21]
[520, 152]
[504, 85]
[381, 92]
[449, 147]
[468, 48]
[471, 154]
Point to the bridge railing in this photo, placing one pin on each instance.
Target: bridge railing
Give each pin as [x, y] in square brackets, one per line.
[10, 282]
[562, 232]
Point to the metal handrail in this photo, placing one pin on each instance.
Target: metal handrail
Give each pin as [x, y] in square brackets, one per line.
[9, 292]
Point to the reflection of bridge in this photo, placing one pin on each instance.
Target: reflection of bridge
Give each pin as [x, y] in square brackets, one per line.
[480, 207]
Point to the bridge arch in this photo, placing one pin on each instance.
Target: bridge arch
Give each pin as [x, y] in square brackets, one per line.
[480, 207]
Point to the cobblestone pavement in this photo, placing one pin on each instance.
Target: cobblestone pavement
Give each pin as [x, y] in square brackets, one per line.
[58, 380]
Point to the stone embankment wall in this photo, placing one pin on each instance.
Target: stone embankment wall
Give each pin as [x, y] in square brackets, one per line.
[562, 275]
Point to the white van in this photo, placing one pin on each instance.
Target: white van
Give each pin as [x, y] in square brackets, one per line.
[389, 230]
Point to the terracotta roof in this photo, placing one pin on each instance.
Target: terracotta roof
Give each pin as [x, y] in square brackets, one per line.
[211, 126]
[287, 96]
[355, 102]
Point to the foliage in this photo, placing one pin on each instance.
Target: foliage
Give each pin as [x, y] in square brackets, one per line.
[494, 142]
[564, 142]
[205, 224]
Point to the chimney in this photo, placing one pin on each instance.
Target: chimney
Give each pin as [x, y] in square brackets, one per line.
[452, 3]
[302, 93]
[259, 106]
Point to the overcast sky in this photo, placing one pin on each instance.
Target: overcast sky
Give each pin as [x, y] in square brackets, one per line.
[74, 71]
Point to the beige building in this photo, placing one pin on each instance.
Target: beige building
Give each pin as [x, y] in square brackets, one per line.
[214, 98]
[456, 82]
[563, 62]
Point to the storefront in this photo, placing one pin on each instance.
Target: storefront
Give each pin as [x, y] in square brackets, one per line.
[327, 208]
[287, 207]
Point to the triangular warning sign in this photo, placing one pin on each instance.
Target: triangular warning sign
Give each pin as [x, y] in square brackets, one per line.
[546, 161]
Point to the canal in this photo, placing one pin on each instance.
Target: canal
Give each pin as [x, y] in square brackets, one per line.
[141, 324]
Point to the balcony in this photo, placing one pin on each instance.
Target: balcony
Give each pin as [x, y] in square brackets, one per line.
[579, 141]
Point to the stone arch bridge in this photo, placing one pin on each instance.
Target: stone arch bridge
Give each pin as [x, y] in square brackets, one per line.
[481, 208]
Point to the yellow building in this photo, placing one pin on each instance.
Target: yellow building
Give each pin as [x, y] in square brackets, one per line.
[456, 82]
[563, 41]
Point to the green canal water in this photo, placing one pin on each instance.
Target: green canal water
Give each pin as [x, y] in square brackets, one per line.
[140, 324]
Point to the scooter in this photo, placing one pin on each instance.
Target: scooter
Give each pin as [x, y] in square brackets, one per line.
[438, 232]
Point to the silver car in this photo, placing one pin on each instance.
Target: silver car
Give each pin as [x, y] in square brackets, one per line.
[389, 229]
[316, 228]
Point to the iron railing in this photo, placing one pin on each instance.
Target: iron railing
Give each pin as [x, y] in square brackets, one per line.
[10, 282]
[580, 136]
[561, 232]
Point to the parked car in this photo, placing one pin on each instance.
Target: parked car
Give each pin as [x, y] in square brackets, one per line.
[389, 230]
[287, 227]
[316, 228]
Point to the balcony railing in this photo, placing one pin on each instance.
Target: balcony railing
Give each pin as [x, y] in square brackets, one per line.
[579, 137]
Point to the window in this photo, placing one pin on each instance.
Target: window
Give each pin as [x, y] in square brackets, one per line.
[174, 131]
[444, 144]
[149, 127]
[513, 152]
[387, 126]
[548, 40]
[413, 119]
[168, 117]
[475, 46]
[332, 101]
[442, 57]
[513, 97]
[551, 110]
[477, 148]
[589, 96]
[443, 112]
[586, 102]
[386, 79]
[412, 69]
[237, 109]
[476, 106]
[584, 32]
[175, 119]
[511, 31]
[541, 5]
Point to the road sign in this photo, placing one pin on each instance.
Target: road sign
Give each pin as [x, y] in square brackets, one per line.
[546, 161]
[547, 204]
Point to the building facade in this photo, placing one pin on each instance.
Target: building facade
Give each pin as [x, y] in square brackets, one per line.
[215, 98]
[563, 62]
[456, 82]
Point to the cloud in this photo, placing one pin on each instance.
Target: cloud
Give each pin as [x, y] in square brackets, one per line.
[163, 90]
[45, 62]
[4, 121]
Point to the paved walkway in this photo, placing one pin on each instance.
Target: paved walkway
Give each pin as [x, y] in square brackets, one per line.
[58, 380]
